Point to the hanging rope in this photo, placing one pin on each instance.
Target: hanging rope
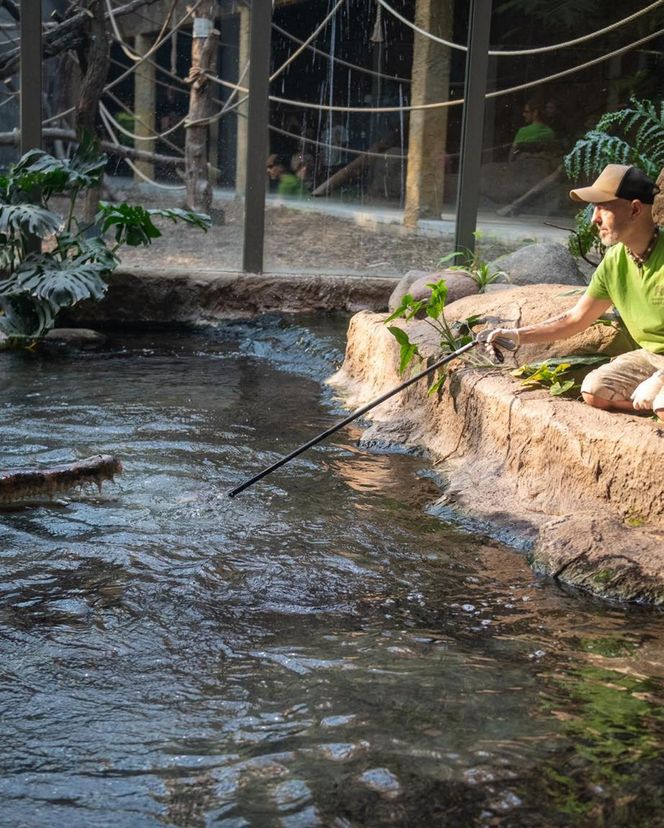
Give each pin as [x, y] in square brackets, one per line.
[341, 62]
[311, 37]
[457, 101]
[512, 53]
[131, 164]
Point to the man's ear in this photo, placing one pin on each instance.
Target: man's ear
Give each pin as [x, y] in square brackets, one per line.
[637, 207]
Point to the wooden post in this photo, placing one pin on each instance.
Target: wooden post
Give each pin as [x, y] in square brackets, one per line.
[144, 104]
[428, 128]
[94, 57]
[205, 41]
[242, 111]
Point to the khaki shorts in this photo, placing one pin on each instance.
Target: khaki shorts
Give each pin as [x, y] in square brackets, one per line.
[617, 379]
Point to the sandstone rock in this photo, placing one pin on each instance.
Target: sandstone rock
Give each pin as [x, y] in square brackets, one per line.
[549, 263]
[521, 464]
[167, 296]
[603, 555]
[459, 284]
[529, 304]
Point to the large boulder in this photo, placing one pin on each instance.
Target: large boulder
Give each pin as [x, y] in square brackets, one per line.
[544, 263]
[416, 282]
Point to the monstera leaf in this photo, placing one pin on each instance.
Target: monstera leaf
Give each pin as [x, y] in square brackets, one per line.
[23, 316]
[37, 171]
[30, 219]
[133, 225]
[61, 284]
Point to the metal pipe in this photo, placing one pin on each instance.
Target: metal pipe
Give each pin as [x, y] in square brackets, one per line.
[31, 75]
[257, 137]
[472, 129]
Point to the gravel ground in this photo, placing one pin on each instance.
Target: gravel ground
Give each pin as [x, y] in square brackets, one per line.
[299, 241]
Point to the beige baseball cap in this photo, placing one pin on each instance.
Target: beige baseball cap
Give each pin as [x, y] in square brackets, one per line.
[618, 181]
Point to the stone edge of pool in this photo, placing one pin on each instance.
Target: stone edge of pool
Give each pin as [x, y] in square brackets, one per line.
[181, 295]
[580, 485]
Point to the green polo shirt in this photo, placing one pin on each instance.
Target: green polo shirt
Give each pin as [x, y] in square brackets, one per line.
[534, 134]
[636, 293]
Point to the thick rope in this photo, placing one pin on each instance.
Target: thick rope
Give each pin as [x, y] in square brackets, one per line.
[512, 53]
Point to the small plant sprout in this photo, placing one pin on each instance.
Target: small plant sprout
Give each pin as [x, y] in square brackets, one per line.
[471, 263]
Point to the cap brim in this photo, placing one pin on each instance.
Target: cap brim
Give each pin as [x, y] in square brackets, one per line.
[592, 195]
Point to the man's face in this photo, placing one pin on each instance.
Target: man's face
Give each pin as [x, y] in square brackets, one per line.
[275, 171]
[613, 220]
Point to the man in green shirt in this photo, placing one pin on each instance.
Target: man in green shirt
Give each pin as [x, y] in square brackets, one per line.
[631, 278]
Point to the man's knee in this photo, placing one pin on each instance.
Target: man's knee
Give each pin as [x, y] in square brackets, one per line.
[595, 401]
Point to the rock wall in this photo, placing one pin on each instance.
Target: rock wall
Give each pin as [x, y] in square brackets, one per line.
[582, 488]
[166, 296]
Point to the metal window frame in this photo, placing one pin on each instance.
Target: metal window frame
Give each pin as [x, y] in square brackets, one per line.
[258, 118]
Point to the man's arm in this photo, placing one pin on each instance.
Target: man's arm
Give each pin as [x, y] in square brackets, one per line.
[586, 311]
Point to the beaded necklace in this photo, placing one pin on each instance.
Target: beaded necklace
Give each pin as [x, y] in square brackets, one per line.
[641, 260]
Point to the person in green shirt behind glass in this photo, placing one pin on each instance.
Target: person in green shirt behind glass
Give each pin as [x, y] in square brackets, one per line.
[536, 135]
[287, 183]
[631, 278]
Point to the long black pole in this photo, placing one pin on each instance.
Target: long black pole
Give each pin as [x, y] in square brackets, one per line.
[349, 419]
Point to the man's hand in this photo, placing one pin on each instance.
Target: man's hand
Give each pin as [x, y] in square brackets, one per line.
[507, 338]
[645, 393]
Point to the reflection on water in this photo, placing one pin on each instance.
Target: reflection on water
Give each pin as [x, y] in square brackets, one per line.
[317, 651]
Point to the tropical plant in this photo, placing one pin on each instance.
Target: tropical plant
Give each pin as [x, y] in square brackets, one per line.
[452, 337]
[633, 135]
[471, 263]
[49, 262]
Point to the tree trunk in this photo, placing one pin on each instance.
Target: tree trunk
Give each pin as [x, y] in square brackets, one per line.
[428, 128]
[94, 58]
[203, 60]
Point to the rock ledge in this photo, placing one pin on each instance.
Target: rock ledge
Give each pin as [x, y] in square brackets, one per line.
[580, 488]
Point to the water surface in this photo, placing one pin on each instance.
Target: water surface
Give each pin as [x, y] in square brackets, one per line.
[317, 651]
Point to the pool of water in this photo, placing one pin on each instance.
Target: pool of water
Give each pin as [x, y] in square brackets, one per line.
[317, 651]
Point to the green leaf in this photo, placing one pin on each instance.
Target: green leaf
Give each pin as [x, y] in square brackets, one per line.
[25, 316]
[558, 388]
[38, 169]
[132, 224]
[407, 349]
[436, 302]
[407, 309]
[435, 387]
[61, 284]
[175, 214]
[28, 219]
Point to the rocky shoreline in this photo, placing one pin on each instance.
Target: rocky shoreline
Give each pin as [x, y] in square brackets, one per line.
[579, 489]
